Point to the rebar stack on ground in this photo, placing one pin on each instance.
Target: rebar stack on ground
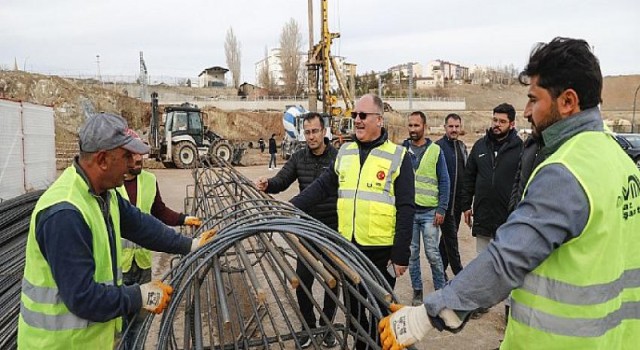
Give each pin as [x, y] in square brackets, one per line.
[238, 291]
[15, 214]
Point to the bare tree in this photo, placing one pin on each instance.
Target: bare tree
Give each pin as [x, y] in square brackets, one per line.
[232, 50]
[265, 79]
[290, 46]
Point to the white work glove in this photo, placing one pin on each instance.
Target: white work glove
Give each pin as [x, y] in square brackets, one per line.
[408, 325]
[192, 221]
[203, 239]
[155, 296]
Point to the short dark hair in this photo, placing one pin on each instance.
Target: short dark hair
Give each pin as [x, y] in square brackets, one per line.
[312, 115]
[453, 116]
[273, 135]
[506, 109]
[566, 63]
[422, 116]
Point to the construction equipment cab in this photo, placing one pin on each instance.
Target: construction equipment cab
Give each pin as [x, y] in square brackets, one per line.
[181, 137]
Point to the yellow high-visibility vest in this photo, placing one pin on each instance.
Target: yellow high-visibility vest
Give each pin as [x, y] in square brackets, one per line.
[427, 178]
[45, 322]
[366, 200]
[586, 294]
[146, 194]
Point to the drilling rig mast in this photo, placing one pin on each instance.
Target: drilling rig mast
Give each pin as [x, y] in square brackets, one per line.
[321, 60]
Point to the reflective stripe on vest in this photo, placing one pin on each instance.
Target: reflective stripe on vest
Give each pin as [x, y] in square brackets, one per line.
[586, 293]
[45, 322]
[427, 178]
[49, 295]
[145, 196]
[369, 190]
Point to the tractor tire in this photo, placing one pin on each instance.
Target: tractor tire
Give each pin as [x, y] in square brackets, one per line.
[184, 155]
[222, 150]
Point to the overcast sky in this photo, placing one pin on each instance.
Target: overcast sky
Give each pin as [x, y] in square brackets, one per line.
[180, 38]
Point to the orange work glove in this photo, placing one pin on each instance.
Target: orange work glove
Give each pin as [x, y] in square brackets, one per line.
[203, 239]
[155, 296]
[192, 221]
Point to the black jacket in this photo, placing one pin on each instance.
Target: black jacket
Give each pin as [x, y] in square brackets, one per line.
[272, 146]
[305, 167]
[488, 181]
[531, 157]
[455, 154]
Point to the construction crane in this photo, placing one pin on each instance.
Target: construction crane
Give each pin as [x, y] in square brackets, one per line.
[321, 61]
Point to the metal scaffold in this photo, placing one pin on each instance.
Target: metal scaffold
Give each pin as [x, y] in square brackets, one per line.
[239, 290]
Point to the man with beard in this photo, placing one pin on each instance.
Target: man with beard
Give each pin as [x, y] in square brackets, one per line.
[306, 165]
[455, 154]
[489, 176]
[568, 254]
[141, 189]
[432, 198]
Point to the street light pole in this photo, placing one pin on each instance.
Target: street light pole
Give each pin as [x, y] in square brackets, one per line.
[633, 118]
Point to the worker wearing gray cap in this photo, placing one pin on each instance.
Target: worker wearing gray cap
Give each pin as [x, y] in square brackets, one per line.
[72, 292]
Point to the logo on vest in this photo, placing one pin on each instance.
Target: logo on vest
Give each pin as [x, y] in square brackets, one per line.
[380, 175]
[629, 200]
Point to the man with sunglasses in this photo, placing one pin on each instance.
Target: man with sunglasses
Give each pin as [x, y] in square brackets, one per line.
[306, 165]
[374, 182]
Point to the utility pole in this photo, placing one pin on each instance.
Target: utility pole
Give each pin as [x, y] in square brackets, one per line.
[98, 64]
[410, 93]
[633, 118]
[380, 85]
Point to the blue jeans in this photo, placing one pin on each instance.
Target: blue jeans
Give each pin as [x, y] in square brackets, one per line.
[423, 226]
[272, 159]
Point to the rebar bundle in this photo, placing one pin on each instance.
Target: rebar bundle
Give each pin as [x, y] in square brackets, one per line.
[15, 214]
[239, 291]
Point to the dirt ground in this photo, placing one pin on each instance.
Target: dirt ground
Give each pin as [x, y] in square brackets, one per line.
[484, 333]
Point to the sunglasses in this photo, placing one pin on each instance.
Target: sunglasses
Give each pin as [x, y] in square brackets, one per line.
[362, 115]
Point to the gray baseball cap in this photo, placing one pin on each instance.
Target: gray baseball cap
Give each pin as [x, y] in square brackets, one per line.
[104, 131]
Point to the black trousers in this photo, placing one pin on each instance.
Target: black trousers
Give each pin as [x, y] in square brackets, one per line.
[380, 258]
[449, 242]
[304, 302]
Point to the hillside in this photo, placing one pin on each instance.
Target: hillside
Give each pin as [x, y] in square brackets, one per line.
[72, 100]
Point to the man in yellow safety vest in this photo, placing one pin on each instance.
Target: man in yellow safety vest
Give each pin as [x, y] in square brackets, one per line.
[568, 254]
[72, 292]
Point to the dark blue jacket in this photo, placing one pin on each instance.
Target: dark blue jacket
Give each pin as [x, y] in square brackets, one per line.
[65, 241]
[441, 173]
[455, 167]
